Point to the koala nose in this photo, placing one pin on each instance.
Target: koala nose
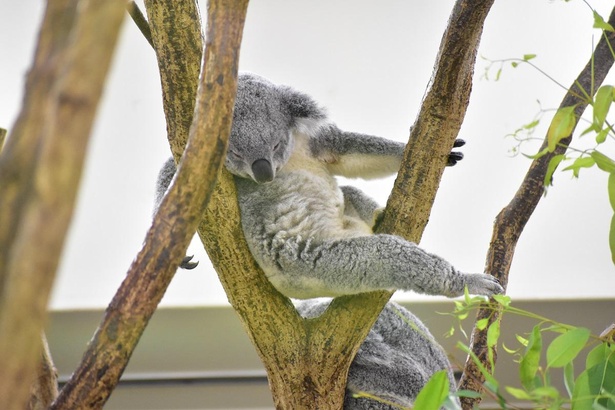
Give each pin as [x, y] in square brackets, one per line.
[261, 168]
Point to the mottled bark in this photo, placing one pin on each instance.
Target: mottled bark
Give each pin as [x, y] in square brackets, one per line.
[40, 168]
[512, 219]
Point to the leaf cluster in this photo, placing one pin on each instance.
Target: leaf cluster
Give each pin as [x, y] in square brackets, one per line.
[592, 386]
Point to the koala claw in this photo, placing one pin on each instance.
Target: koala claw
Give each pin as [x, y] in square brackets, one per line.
[455, 156]
[483, 284]
[186, 264]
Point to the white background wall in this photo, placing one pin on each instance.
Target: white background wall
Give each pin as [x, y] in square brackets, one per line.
[369, 64]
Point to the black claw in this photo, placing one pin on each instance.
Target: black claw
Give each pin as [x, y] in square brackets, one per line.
[453, 158]
[459, 143]
[186, 264]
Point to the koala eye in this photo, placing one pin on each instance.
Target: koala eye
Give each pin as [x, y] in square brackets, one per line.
[275, 148]
[235, 154]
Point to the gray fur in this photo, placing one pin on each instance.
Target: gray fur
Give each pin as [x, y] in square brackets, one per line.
[393, 363]
[310, 237]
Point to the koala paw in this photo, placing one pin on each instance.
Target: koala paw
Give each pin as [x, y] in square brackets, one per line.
[483, 284]
[187, 264]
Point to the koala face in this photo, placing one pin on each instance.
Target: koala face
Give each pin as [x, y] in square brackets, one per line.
[264, 119]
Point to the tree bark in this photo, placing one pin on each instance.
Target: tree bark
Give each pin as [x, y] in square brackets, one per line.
[40, 170]
[308, 361]
[512, 219]
[174, 223]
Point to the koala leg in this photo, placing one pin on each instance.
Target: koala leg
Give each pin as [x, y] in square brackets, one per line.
[360, 264]
[359, 205]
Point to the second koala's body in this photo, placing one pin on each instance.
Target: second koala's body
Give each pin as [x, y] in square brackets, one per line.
[311, 237]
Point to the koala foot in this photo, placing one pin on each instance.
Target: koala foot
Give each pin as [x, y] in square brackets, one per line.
[483, 284]
[186, 264]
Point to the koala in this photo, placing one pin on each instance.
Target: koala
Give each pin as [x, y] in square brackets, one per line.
[393, 363]
[311, 237]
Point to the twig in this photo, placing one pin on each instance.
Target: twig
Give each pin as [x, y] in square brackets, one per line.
[140, 21]
[512, 219]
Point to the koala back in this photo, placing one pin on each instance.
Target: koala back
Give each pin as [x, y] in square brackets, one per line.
[395, 360]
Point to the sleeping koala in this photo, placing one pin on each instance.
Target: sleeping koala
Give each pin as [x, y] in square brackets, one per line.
[393, 363]
[311, 237]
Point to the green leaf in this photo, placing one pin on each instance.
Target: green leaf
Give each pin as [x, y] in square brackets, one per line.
[538, 154]
[562, 124]
[604, 163]
[528, 57]
[514, 64]
[518, 393]
[581, 162]
[581, 396]
[569, 378]
[522, 340]
[600, 23]
[503, 300]
[531, 359]
[567, 346]
[611, 187]
[493, 334]
[531, 125]
[482, 323]
[597, 355]
[434, 393]
[602, 103]
[601, 136]
[468, 393]
[553, 163]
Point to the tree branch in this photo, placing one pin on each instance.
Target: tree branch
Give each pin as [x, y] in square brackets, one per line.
[48, 144]
[174, 223]
[512, 219]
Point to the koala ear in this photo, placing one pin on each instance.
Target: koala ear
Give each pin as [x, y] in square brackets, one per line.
[300, 105]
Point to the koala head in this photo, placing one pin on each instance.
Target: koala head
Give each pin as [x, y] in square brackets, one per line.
[264, 119]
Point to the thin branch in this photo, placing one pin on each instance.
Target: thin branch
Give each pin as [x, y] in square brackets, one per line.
[512, 219]
[140, 21]
[3, 133]
[176, 219]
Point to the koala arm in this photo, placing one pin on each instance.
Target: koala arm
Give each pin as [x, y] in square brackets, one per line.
[355, 155]
[363, 264]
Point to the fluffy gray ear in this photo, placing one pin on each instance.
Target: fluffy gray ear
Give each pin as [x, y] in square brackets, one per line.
[301, 106]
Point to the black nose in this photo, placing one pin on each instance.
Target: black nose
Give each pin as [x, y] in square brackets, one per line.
[261, 168]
